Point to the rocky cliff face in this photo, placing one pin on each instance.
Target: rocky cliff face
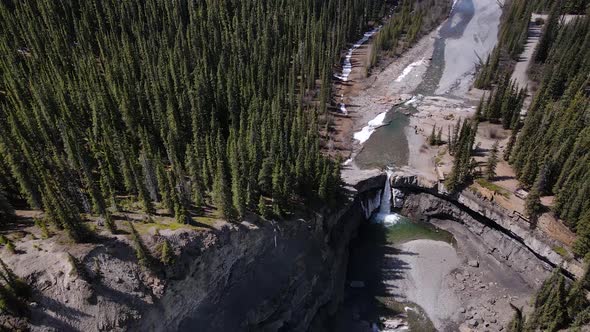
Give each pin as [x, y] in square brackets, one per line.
[263, 276]
[267, 278]
[501, 246]
[508, 237]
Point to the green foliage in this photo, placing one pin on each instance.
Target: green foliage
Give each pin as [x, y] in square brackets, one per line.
[6, 209]
[263, 208]
[411, 20]
[550, 31]
[550, 312]
[14, 292]
[166, 253]
[582, 245]
[511, 40]
[533, 207]
[518, 321]
[551, 149]
[492, 163]
[464, 165]
[42, 225]
[110, 223]
[10, 247]
[558, 305]
[141, 253]
[493, 187]
[144, 99]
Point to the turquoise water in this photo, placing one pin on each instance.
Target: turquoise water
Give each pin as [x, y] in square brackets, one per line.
[407, 230]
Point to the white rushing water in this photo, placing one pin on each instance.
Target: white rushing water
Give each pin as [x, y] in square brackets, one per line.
[409, 69]
[363, 135]
[414, 100]
[384, 216]
[347, 64]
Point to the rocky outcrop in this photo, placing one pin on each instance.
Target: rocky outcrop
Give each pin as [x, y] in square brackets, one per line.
[273, 277]
[482, 216]
[500, 245]
[258, 275]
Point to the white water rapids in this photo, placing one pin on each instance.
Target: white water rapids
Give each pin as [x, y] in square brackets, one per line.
[347, 65]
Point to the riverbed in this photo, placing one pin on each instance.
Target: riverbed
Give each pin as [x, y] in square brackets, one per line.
[443, 66]
[407, 274]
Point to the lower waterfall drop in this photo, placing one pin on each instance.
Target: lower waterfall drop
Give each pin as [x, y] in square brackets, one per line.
[384, 216]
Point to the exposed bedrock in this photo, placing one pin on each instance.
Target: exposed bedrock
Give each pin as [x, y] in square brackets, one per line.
[264, 276]
[508, 237]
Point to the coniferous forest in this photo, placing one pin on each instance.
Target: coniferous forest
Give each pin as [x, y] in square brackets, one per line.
[180, 104]
[549, 145]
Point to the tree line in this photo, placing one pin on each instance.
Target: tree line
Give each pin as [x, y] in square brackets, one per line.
[550, 156]
[548, 148]
[559, 304]
[411, 21]
[175, 104]
[513, 35]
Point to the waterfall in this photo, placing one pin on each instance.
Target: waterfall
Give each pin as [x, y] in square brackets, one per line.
[384, 216]
[386, 197]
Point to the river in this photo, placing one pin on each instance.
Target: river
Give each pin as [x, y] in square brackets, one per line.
[469, 33]
[399, 268]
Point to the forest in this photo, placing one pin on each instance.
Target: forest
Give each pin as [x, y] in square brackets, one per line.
[549, 145]
[184, 105]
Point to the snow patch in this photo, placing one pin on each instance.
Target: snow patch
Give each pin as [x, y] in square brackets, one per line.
[413, 100]
[363, 135]
[409, 68]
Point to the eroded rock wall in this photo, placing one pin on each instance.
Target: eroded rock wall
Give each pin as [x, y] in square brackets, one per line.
[510, 228]
[500, 245]
[258, 275]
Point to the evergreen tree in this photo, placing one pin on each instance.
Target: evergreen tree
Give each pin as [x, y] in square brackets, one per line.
[492, 162]
[166, 253]
[550, 312]
[141, 252]
[533, 207]
[432, 137]
[518, 321]
[221, 194]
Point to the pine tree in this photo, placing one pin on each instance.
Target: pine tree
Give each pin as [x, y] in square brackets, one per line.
[221, 195]
[479, 116]
[533, 207]
[166, 253]
[262, 208]
[432, 137]
[582, 245]
[141, 252]
[550, 312]
[6, 209]
[518, 321]
[492, 162]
